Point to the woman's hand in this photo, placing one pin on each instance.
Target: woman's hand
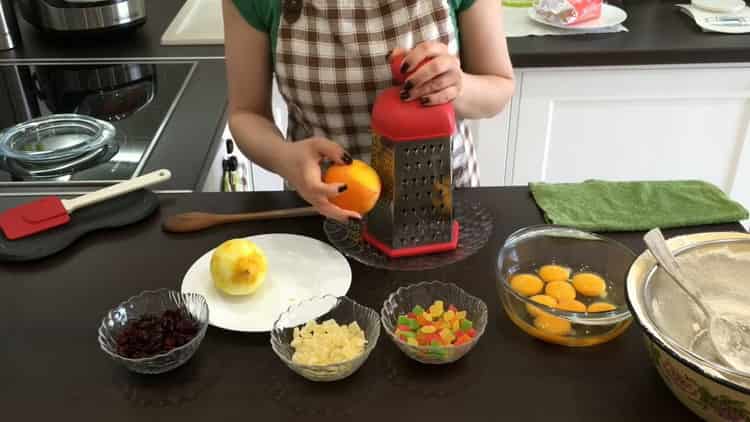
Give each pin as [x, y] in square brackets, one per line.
[301, 169]
[438, 81]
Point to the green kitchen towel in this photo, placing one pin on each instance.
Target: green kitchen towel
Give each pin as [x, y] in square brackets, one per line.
[597, 205]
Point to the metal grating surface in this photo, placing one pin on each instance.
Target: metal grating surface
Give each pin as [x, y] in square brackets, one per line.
[416, 203]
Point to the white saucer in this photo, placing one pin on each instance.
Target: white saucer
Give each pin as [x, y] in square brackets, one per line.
[298, 268]
[611, 16]
[719, 6]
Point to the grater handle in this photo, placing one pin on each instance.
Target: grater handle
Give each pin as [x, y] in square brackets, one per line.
[396, 61]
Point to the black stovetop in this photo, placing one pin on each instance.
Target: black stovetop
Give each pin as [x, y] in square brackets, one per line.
[137, 98]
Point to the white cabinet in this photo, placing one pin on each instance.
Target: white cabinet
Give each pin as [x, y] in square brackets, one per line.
[634, 124]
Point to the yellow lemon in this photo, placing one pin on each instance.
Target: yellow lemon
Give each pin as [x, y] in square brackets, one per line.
[589, 284]
[544, 300]
[553, 272]
[238, 267]
[560, 290]
[526, 284]
[601, 307]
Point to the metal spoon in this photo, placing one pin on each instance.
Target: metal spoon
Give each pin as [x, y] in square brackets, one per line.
[729, 333]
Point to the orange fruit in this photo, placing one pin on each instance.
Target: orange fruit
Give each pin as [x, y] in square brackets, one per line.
[362, 186]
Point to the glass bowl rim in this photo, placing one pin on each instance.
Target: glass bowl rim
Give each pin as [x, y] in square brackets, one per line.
[421, 284]
[158, 292]
[369, 347]
[618, 315]
[103, 133]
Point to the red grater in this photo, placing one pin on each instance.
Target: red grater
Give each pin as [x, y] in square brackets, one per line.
[411, 151]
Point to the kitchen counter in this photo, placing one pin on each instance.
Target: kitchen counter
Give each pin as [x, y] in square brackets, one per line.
[659, 34]
[53, 368]
[142, 45]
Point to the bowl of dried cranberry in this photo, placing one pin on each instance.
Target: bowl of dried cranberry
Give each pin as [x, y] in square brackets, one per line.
[156, 331]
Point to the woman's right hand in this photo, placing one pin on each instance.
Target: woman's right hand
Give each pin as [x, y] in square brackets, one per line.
[301, 168]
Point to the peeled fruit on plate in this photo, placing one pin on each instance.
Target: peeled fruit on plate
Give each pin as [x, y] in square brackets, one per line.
[238, 267]
[362, 186]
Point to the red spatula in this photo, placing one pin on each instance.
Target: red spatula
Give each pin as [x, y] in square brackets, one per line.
[50, 212]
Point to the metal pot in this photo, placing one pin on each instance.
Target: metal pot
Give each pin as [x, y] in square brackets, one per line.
[674, 327]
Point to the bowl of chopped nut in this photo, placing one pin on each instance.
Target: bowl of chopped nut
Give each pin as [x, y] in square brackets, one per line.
[325, 338]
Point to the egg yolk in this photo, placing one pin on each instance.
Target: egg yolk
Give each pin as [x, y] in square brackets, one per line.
[552, 324]
[550, 273]
[544, 300]
[589, 284]
[601, 307]
[560, 290]
[526, 284]
[571, 306]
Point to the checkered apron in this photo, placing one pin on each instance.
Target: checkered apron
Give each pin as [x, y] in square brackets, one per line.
[330, 64]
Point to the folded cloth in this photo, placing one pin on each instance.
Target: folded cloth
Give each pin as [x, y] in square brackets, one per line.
[597, 205]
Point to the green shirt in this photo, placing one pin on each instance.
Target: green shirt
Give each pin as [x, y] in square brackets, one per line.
[264, 15]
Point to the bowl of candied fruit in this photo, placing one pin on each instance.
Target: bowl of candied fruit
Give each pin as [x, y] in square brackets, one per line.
[565, 286]
[155, 331]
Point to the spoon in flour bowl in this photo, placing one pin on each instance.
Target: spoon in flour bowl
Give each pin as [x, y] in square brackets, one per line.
[729, 331]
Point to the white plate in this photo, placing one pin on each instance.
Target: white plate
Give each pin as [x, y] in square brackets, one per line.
[298, 268]
[611, 16]
[719, 6]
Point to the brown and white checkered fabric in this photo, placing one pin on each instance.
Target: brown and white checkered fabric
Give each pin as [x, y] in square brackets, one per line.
[331, 64]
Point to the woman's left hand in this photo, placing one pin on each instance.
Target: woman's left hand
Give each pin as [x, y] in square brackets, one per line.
[438, 81]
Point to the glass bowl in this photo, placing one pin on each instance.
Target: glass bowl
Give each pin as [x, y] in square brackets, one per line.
[402, 302]
[526, 250]
[322, 308]
[55, 138]
[154, 302]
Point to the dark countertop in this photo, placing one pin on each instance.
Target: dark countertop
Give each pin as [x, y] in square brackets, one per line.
[659, 34]
[54, 370]
[143, 44]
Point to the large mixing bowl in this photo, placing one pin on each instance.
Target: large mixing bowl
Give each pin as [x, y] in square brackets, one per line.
[675, 328]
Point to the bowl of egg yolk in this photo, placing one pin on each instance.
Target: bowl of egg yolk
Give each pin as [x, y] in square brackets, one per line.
[565, 286]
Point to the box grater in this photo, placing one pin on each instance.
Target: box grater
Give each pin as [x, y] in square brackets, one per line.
[411, 152]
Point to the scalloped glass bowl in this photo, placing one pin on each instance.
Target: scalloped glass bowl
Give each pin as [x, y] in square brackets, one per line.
[403, 300]
[154, 302]
[528, 249]
[344, 311]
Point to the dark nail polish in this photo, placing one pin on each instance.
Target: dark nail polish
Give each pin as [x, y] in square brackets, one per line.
[404, 95]
[404, 67]
[424, 100]
[342, 188]
[347, 159]
[408, 85]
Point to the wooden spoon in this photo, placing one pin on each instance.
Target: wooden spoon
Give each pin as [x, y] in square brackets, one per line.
[196, 221]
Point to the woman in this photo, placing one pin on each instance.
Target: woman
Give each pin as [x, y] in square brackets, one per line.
[330, 58]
